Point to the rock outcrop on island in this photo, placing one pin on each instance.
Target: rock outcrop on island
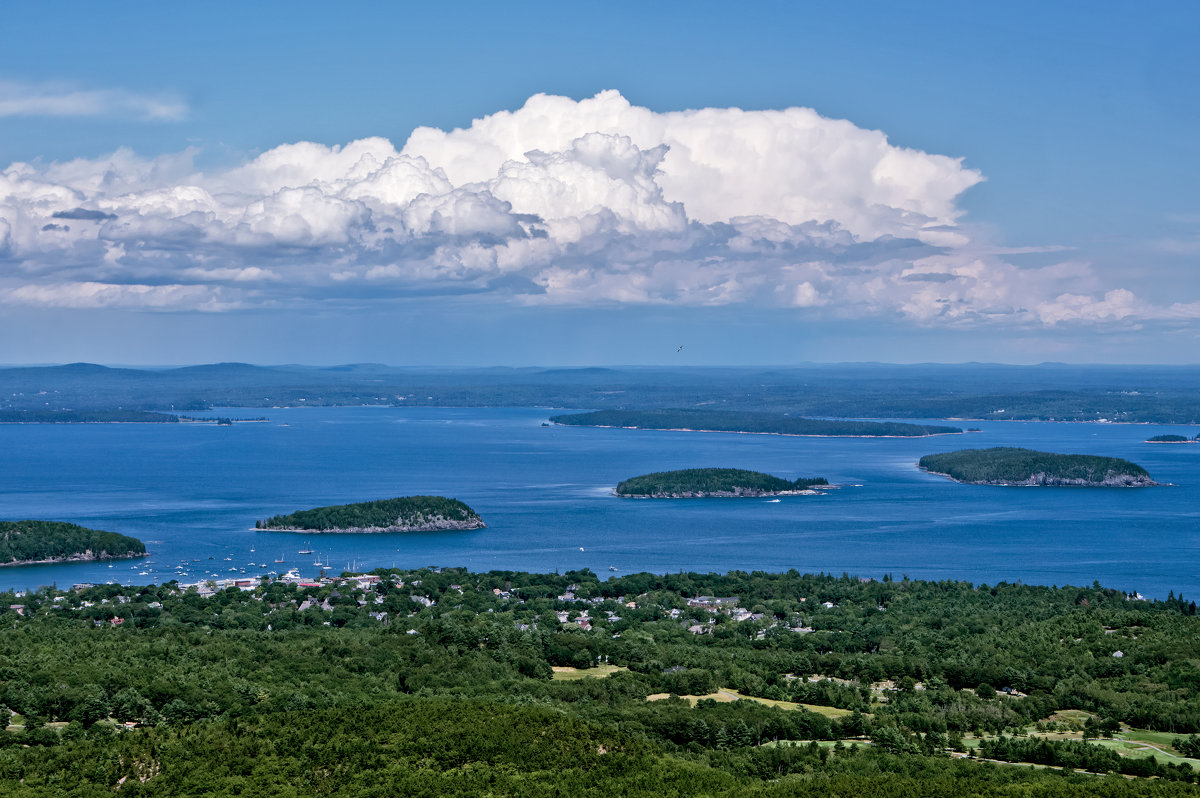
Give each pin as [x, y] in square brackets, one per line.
[35, 542]
[1027, 467]
[696, 483]
[403, 514]
[750, 422]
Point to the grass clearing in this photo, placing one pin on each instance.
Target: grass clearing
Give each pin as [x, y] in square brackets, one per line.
[566, 673]
[820, 743]
[1072, 716]
[726, 696]
[1136, 750]
[1161, 739]
[1132, 743]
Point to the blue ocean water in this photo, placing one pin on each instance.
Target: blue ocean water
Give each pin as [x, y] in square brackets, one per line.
[192, 492]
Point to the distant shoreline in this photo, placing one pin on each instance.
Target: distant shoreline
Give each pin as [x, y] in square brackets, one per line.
[749, 432]
[179, 420]
[81, 557]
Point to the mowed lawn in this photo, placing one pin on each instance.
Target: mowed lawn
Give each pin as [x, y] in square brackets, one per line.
[567, 673]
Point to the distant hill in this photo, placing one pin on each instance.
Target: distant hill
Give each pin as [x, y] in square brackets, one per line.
[732, 421]
[25, 542]
[1012, 466]
[404, 514]
[712, 482]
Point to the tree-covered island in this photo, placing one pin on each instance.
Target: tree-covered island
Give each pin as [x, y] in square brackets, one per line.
[692, 483]
[1013, 466]
[737, 421]
[1173, 439]
[30, 542]
[404, 514]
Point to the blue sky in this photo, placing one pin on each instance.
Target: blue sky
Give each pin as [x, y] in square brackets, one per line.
[1008, 182]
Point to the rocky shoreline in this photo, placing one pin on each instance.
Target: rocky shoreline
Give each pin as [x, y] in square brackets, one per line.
[86, 556]
[436, 524]
[1050, 481]
[737, 493]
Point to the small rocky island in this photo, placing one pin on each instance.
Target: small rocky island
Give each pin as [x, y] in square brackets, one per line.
[404, 514]
[1173, 439]
[37, 542]
[1012, 466]
[695, 483]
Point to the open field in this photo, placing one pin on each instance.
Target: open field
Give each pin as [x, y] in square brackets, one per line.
[567, 673]
[726, 696]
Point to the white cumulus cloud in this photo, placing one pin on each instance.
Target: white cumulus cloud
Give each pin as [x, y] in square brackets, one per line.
[589, 202]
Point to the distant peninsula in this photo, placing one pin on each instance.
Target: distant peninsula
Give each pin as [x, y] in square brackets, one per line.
[752, 422]
[35, 542]
[693, 483]
[404, 514]
[1173, 439]
[1012, 466]
[86, 417]
[119, 416]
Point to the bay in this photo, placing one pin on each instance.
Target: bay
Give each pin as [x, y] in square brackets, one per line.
[193, 491]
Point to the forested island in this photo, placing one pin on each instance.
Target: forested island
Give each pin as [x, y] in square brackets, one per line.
[403, 514]
[691, 483]
[737, 421]
[29, 542]
[1173, 439]
[1014, 466]
[440, 681]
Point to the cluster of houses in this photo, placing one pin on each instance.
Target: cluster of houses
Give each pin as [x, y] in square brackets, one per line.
[700, 616]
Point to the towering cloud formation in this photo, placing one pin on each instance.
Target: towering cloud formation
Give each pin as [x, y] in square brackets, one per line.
[590, 202]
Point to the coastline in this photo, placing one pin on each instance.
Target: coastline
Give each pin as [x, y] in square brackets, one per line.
[436, 526]
[723, 494]
[717, 495]
[73, 558]
[1029, 484]
[749, 432]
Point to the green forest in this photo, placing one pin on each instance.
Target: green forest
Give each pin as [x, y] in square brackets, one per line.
[736, 421]
[1013, 466]
[703, 481]
[446, 682]
[27, 541]
[409, 513]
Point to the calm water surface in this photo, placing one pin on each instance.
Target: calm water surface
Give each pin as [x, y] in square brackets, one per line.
[192, 492]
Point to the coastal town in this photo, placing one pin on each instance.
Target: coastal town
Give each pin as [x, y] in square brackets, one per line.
[390, 596]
